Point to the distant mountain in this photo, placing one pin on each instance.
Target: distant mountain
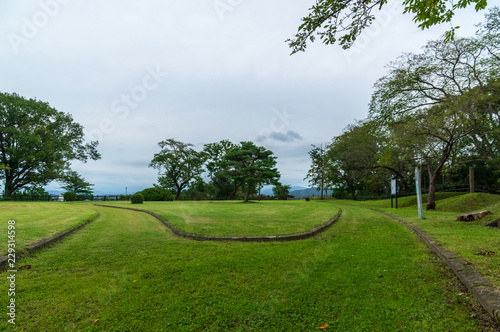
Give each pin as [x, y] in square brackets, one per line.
[305, 192]
[268, 190]
[95, 193]
[296, 188]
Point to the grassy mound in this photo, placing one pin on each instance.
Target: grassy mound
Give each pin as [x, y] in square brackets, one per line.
[410, 201]
[468, 203]
[233, 218]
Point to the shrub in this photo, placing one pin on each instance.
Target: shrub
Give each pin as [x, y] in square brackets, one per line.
[196, 195]
[307, 199]
[137, 198]
[69, 196]
[84, 197]
[157, 194]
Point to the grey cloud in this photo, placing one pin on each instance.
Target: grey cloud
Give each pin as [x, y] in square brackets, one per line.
[289, 136]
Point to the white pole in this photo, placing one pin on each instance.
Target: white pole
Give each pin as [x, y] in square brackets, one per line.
[419, 194]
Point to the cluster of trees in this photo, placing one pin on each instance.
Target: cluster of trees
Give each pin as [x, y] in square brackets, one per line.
[439, 109]
[222, 170]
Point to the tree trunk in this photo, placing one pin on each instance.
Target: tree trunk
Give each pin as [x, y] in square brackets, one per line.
[433, 175]
[233, 193]
[247, 193]
[8, 190]
[431, 199]
[178, 194]
[353, 193]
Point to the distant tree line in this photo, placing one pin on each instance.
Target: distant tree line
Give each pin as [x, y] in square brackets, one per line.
[220, 171]
[439, 109]
[39, 143]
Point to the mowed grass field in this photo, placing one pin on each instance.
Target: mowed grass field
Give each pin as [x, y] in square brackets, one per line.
[38, 220]
[126, 272]
[234, 218]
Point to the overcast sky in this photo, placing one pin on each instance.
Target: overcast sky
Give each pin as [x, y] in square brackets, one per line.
[134, 73]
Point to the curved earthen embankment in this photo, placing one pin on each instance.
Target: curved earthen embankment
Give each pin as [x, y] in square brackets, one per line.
[275, 238]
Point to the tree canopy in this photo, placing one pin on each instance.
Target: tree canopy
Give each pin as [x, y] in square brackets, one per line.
[317, 172]
[38, 143]
[343, 21]
[221, 185]
[177, 164]
[75, 183]
[251, 166]
[282, 191]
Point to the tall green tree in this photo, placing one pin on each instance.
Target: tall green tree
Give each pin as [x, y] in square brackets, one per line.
[343, 21]
[317, 173]
[177, 164]
[251, 165]
[349, 158]
[282, 191]
[75, 183]
[484, 142]
[38, 143]
[223, 186]
[434, 133]
[214, 154]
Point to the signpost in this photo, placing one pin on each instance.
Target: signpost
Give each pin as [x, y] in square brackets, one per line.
[394, 190]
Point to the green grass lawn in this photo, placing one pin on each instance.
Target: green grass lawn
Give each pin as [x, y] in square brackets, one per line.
[38, 220]
[466, 239]
[365, 273]
[234, 218]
